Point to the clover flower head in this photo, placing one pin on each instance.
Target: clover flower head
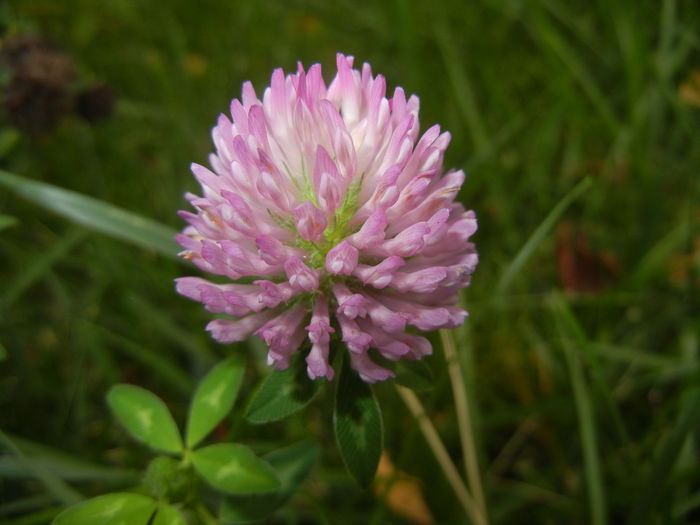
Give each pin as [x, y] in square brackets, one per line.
[326, 200]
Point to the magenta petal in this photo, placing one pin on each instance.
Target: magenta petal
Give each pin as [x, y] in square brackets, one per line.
[317, 362]
[381, 275]
[227, 331]
[349, 304]
[372, 231]
[342, 259]
[422, 281]
[357, 340]
[301, 277]
[369, 371]
[283, 334]
[310, 221]
[271, 250]
[327, 198]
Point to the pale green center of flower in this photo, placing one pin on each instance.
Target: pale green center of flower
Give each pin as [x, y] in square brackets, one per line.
[338, 227]
[337, 230]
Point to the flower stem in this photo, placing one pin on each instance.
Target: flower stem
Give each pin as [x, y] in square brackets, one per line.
[443, 458]
[464, 420]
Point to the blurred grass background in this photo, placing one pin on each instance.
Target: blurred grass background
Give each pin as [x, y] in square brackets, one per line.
[582, 362]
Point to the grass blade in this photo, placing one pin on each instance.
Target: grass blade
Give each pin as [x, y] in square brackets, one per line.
[586, 420]
[41, 264]
[540, 233]
[649, 496]
[55, 485]
[95, 214]
[463, 90]
[162, 365]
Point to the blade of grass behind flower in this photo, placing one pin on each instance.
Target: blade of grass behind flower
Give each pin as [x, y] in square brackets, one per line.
[61, 464]
[658, 255]
[172, 331]
[462, 86]
[673, 447]
[27, 504]
[161, 365]
[55, 485]
[539, 235]
[41, 517]
[95, 214]
[586, 420]
[571, 325]
[550, 39]
[41, 264]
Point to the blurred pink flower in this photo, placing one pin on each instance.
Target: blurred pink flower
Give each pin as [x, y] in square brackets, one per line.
[327, 197]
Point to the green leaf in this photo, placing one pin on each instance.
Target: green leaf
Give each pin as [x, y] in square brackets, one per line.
[169, 515]
[7, 221]
[416, 375]
[95, 214]
[145, 415]
[213, 399]
[3, 352]
[358, 425]
[234, 468]
[120, 508]
[292, 465]
[282, 393]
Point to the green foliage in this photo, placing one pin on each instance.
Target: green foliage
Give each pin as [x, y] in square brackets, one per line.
[145, 416]
[282, 393]
[167, 479]
[357, 420]
[169, 515]
[120, 508]
[95, 214]
[213, 399]
[234, 469]
[292, 465]
[537, 96]
[416, 375]
[256, 487]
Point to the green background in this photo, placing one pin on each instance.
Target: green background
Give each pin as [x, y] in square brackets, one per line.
[581, 350]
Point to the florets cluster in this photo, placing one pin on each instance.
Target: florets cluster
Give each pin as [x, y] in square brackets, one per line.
[337, 214]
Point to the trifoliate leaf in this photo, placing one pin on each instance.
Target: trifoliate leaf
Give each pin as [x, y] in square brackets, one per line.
[169, 515]
[120, 508]
[358, 425]
[213, 399]
[282, 393]
[292, 465]
[145, 416]
[235, 469]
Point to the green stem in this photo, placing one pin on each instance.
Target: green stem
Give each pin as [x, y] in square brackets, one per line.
[443, 458]
[464, 420]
